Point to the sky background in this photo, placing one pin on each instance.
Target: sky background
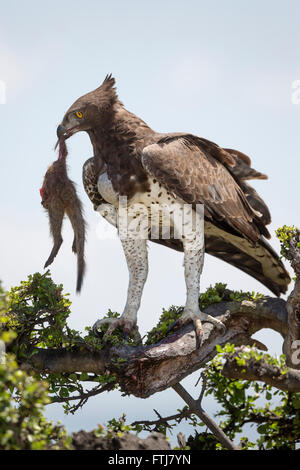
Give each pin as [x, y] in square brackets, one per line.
[220, 70]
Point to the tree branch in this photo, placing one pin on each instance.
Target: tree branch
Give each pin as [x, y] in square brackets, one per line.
[149, 369]
[196, 408]
[261, 370]
[178, 417]
[83, 397]
[291, 340]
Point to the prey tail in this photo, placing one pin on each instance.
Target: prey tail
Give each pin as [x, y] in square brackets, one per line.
[80, 271]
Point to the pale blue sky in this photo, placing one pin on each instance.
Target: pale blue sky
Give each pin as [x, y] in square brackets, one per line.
[220, 70]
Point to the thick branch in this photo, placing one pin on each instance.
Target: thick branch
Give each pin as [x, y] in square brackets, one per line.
[149, 369]
[195, 407]
[57, 361]
[291, 341]
[261, 370]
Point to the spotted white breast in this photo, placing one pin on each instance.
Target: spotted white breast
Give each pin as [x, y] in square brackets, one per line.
[157, 208]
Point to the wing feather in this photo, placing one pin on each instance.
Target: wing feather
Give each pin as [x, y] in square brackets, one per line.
[190, 171]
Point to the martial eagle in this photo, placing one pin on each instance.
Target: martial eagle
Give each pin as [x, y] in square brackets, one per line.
[147, 168]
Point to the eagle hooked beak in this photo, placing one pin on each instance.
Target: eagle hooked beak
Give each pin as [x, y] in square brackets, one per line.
[63, 133]
[60, 131]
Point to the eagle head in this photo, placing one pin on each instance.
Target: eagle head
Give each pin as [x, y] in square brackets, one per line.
[90, 110]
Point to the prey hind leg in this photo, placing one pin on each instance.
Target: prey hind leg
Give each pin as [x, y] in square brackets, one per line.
[56, 216]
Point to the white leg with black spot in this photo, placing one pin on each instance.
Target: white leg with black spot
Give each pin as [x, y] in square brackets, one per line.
[137, 261]
[193, 264]
[135, 250]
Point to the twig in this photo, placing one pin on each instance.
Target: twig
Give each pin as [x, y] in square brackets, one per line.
[83, 396]
[210, 423]
[204, 383]
[178, 417]
[261, 370]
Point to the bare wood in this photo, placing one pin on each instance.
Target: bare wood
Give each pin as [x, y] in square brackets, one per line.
[149, 369]
[61, 360]
[197, 409]
[291, 340]
[260, 370]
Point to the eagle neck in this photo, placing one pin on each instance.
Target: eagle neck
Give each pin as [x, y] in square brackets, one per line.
[122, 134]
[119, 143]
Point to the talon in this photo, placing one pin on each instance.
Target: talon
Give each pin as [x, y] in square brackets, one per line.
[197, 317]
[128, 326]
[217, 323]
[198, 326]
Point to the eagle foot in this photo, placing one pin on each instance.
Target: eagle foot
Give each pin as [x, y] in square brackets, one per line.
[197, 318]
[128, 325]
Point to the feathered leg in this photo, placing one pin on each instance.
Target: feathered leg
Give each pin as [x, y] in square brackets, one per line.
[193, 265]
[194, 249]
[135, 250]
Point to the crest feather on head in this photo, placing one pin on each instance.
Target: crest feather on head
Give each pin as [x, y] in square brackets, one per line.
[106, 94]
[108, 82]
[103, 97]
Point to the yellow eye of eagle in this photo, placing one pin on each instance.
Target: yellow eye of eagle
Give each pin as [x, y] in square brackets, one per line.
[79, 114]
